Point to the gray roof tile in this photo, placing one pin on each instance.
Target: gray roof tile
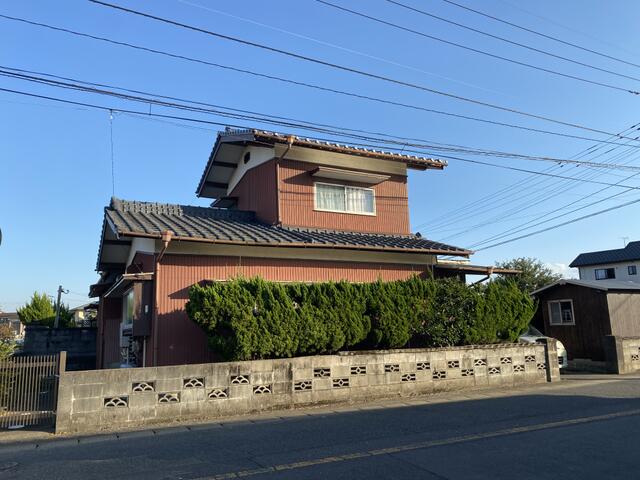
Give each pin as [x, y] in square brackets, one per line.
[627, 254]
[220, 225]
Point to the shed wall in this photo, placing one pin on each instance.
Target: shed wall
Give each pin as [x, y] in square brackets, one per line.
[624, 312]
[591, 314]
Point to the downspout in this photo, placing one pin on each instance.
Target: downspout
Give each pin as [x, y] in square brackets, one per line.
[290, 140]
[166, 240]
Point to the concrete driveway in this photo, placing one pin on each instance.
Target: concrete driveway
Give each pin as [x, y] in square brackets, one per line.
[583, 427]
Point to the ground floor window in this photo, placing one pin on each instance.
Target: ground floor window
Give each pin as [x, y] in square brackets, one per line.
[632, 270]
[561, 312]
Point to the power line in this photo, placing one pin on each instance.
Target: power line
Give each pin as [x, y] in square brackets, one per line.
[305, 124]
[483, 52]
[345, 68]
[105, 108]
[540, 34]
[512, 42]
[584, 217]
[312, 85]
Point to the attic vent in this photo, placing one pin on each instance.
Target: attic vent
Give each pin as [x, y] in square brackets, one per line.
[247, 157]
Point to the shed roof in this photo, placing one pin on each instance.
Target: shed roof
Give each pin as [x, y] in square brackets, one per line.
[605, 285]
[629, 253]
[213, 225]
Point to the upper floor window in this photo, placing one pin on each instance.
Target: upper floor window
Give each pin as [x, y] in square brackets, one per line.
[128, 309]
[605, 273]
[561, 312]
[632, 270]
[340, 198]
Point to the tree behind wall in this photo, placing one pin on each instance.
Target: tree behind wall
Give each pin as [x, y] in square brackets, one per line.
[42, 311]
[534, 274]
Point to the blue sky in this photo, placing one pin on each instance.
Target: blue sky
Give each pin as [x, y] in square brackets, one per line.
[55, 160]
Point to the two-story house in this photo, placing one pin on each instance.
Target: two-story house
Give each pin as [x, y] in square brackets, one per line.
[285, 208]
[618, 264]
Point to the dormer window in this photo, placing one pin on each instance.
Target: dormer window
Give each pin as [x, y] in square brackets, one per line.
[343, 199]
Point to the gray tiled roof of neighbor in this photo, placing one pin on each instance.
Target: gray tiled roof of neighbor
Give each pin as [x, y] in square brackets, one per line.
[239, 227]
[627, 254]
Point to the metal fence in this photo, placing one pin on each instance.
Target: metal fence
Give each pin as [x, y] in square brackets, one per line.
[29, 389]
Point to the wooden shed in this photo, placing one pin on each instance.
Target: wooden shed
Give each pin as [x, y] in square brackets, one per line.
[580, 313]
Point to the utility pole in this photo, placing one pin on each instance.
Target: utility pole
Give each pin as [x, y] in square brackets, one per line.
[60, 292]
[625, 240]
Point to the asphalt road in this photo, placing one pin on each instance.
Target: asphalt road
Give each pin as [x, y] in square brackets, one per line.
[583, 427]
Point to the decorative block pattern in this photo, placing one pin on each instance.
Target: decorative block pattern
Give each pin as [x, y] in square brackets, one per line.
[506, 360]
[116, 402]
[340, 382]
[422, 366]
[239, 379]
[358, 370]
[322, 372]
[439, 374]
[302, 386]
[261, 389]
[541, 366]
[193, 383]
[169, 397]
[467, 372]
[480, 362]
[517, 368]
[408, 377]
[218, 393]
[453, 364]
[494, 371]
[635, 357]
[391, 368]
[143, 387]
[530, 358]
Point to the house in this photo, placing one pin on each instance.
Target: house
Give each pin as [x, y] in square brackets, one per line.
[84, 315]
[580, 313]
[12, 319]
[619, 264]
[285, 208]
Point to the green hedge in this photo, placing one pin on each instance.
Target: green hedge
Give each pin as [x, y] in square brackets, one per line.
[251, 318]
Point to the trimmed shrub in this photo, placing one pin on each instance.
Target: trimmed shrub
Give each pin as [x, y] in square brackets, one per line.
[251, 318]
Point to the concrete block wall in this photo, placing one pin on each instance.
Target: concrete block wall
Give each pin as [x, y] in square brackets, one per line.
[79, 343]
[622, 354]
[94, 400]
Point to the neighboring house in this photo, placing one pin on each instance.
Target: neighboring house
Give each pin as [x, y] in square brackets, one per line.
[84, 315]
[618, 264]
[12, 319]
[580, 313]
[286, 208]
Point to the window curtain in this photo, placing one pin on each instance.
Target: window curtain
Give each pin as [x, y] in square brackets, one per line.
[330, 197]
[359, 200]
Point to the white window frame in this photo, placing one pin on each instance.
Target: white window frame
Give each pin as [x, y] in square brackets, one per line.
[350, 212]
[561, 324]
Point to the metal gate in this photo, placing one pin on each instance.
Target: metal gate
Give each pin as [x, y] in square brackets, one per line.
[29, 389]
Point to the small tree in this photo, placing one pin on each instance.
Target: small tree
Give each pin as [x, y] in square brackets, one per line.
[533, 273]
[7, 341]
[42, 311]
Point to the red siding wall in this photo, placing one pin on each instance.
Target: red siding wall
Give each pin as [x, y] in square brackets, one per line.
[108, 348]
[181, 341]
[297, 202]
[257, 192]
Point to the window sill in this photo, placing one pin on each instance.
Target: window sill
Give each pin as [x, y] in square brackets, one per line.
[345, 212]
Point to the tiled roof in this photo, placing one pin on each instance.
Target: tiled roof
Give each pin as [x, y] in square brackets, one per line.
[238, 227]
[627, 254]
